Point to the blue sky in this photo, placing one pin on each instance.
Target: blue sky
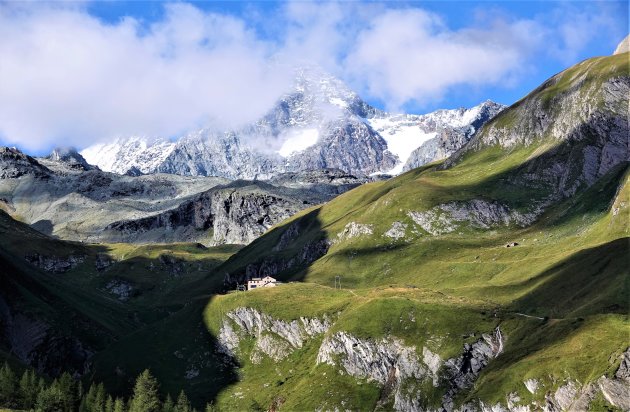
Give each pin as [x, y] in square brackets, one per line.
[89, 71]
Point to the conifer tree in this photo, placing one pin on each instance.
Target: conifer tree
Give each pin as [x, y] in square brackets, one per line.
[183, 404]
[119, 405]
[145, 394]
[99, 399]
[50, 399]
[109, 404]
[67, 386]
[28, 390]
[168, 406]
[8, 387]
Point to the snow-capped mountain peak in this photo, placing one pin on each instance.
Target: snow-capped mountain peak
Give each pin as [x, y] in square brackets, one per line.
[318, 123]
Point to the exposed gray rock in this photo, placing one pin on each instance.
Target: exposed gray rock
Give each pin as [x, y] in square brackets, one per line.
[123, 290]
[70, 157]
[275, 338]
[450, 139]
[392, 364]
[531, 385]
[354, 229]
[397, 231]
[616, 391]
[236, 213]
[623, 372]
[477, 213]
[463, 370]
[54, 264]
[15, 164]
[103, 261]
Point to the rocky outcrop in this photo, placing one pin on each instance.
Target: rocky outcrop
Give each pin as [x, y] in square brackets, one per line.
[354, 229]
[121, 289]
[396, 366]
[579, 121]
[450, 139]
[396, 231]
[70, 157]
[103, 261]
[328, 182]
[15, 164]
[275, 338]
[236, 213]
[477, 213]
[54, 264]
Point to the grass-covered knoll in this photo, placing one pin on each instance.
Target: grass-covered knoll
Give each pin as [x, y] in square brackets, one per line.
[419, 318]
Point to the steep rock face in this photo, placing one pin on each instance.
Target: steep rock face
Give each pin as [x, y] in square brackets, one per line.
[398, 369]
[14, 164]
[450, 139]
[236, 213]
[70, 157]
[579, 118]
[274, 338]
[349, 145]
[210, 153]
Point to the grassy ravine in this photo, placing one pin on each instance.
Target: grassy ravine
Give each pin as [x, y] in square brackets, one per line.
[570, 269]
[123, 334]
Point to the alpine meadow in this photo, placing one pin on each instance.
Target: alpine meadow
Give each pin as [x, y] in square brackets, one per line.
[263, 206]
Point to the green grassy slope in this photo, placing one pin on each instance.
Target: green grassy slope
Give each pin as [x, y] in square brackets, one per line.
[561, 296]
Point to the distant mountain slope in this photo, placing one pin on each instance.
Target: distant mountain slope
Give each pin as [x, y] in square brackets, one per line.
[63, 195]
[495, 280]
[319, 124]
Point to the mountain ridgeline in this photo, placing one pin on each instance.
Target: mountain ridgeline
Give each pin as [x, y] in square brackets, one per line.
[319, 124]
[493, 277]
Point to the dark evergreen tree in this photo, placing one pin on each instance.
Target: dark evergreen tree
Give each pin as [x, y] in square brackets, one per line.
[183, 404]
[29, 388]
[50, 399]
[145, 394]
[169, 405]
[119, 405]
[8, 387]
[68, 387]
[109, 404]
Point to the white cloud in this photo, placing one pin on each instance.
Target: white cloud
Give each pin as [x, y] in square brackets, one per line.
[67, 77]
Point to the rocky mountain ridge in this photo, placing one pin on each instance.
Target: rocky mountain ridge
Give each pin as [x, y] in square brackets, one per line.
[319, 124]
[65, 196]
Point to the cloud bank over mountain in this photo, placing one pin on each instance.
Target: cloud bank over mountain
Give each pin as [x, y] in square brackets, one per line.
[69, 76]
